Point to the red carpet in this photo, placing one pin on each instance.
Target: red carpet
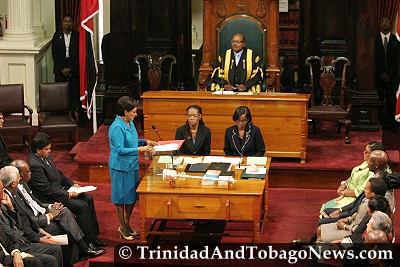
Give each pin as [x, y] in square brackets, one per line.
[293, 212]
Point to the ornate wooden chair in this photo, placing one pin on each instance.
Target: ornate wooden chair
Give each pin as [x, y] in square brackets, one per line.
[334, 106]
[155, 66]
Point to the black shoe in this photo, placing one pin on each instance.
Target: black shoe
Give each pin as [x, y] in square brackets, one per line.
[82, 257]
[99, 243]
[92, 251]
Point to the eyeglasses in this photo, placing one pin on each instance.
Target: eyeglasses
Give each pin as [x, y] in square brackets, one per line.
[236, 42]
[194, 116]
[25, 172]
[242, 121]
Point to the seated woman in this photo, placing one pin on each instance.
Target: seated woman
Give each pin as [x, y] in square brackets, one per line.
[351, 188]
[244, 138]
[196, 135]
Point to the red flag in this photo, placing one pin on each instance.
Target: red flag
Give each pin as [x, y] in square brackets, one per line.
[397, 114]
[87, 58]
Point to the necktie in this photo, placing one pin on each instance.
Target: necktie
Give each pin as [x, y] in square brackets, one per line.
[385, 45]
[237, 58]
[34, 205]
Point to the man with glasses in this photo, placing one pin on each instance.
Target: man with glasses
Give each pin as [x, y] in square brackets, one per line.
[5, 159]
[238, 70]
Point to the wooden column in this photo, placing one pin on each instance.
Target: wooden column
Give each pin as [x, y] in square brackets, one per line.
[206, 67]
[273, 81]
[365, 103]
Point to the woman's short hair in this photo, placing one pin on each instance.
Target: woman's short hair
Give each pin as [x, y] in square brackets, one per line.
[378, 203]
[382, 222]
[124, 103]
[378, 186]
[374, 145]
[240, 111]
[40, 141]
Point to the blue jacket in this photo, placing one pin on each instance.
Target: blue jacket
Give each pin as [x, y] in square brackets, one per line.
[124, 145]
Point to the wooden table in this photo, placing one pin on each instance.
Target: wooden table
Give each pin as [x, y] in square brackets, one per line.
[246, 201]
[282, 118]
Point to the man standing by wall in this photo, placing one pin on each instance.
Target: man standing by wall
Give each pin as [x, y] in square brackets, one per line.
[387, 49]
[65, 51]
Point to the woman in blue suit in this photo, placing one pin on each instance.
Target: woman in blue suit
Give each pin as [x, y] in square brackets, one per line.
[124, 163]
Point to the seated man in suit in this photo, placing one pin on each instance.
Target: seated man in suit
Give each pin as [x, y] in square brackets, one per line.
[238, 70]
[49, 185]
[5, 159]
[12, 238]
[53, 218]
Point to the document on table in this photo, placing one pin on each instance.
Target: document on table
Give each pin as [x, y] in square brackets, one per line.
[256, 160]
[192, 160]
[168, 159]
[82, 189]
[233, 161]
[223, 93]
[258, 171]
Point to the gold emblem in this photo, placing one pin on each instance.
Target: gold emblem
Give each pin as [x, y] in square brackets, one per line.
[257, 59]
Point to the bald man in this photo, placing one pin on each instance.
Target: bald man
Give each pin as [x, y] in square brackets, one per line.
[239, 69]
[377, 161]
[376, 236]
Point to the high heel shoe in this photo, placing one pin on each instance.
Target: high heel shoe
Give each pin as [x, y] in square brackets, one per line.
[122, 236]
[132, 232]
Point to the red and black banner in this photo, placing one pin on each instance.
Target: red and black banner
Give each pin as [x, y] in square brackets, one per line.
[87, 58]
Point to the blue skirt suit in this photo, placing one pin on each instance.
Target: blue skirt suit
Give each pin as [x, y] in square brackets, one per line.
[124, 161]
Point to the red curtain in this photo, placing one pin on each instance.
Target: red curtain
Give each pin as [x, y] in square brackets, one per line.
[68, 6]
[387, 8]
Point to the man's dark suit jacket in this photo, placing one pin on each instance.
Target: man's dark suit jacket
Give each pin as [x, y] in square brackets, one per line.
[58, 52]
[10, 236]
[253, 142]
[5, 159]
[47, 183]
[203, 141]
[29, 228]
[392, 61]
[23, 205]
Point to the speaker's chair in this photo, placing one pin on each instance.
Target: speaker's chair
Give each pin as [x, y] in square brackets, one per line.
[254, 32]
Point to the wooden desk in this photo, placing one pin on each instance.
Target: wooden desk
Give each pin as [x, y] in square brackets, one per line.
[246, 201]
[282, 118]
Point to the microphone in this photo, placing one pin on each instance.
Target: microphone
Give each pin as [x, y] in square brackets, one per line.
[155, 130]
